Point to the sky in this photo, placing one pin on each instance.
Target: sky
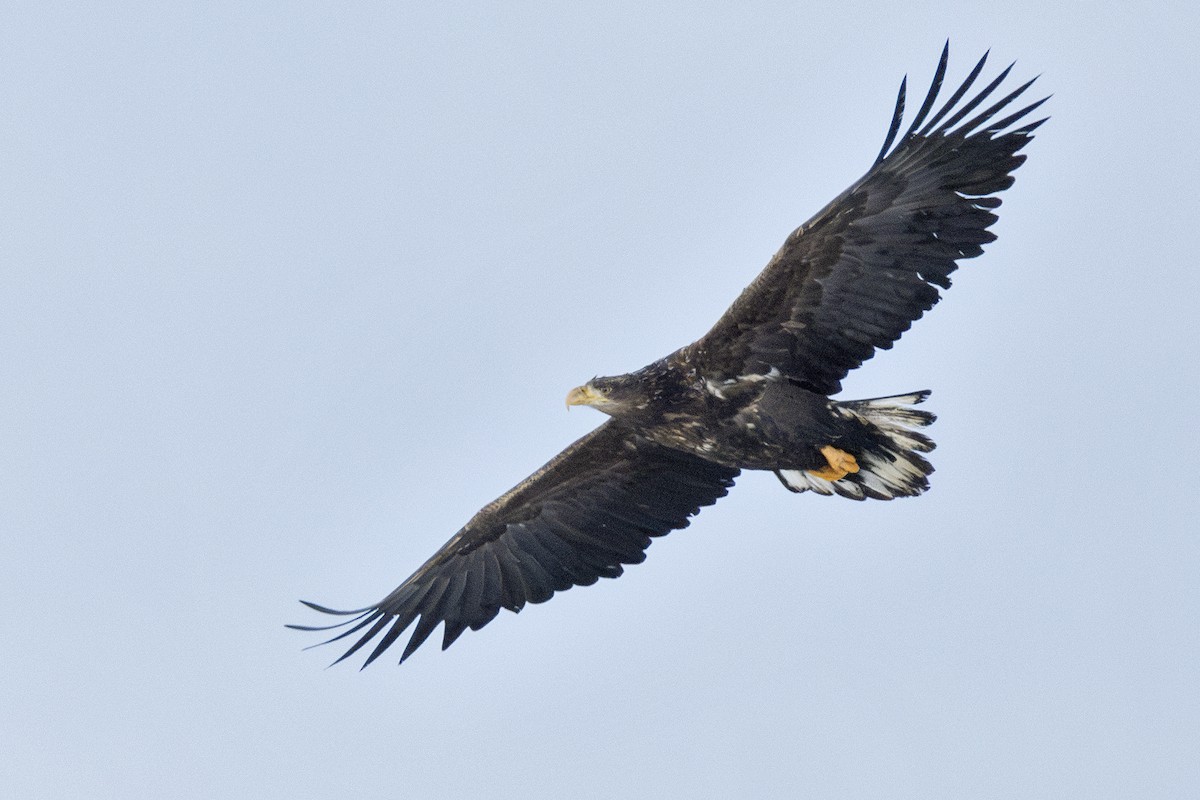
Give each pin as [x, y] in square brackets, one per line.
[289, 291]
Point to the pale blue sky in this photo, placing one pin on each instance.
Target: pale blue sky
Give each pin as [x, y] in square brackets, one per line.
[288, 291]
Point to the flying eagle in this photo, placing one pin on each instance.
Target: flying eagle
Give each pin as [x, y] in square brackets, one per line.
[752, 393]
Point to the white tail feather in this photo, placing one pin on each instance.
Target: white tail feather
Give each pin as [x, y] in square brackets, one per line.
[893, 466]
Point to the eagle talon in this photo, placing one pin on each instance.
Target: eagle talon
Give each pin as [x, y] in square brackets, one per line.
[841, 464]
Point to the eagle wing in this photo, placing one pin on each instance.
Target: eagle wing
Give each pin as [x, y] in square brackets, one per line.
[590, 510]
[859, 273]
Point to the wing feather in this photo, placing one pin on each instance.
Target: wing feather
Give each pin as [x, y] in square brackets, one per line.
[593, 508]
[857, 275]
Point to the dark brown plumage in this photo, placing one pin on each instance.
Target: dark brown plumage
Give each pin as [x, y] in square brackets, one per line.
[752, 393]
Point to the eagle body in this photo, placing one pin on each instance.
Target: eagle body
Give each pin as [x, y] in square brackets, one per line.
[754, 393]
[763, 422]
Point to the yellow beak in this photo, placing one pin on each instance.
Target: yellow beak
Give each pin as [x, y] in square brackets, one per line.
[584, 396]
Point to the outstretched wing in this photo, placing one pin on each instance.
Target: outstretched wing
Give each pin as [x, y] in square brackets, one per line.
[856, 276]
[579, 518]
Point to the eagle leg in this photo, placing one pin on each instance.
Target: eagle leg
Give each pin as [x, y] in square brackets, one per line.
[840, 462]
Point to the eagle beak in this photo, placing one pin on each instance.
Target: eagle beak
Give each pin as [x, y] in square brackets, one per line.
[584, 396]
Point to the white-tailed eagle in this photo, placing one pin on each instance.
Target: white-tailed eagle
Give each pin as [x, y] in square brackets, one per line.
[752, 393]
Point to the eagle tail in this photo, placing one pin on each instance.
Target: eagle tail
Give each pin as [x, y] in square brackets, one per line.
[886, 447]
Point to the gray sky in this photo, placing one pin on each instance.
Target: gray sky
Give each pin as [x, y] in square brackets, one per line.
[288, 293]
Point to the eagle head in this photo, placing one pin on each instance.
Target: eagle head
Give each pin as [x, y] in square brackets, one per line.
[618, 396]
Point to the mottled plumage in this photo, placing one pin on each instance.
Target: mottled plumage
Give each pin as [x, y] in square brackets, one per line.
[752, 393]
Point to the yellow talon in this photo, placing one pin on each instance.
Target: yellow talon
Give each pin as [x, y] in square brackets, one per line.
[841, 464]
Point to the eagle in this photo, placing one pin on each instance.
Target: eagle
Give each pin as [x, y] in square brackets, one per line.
[754, 393]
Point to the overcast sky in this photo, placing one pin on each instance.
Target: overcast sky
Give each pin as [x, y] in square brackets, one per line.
[288, 291]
